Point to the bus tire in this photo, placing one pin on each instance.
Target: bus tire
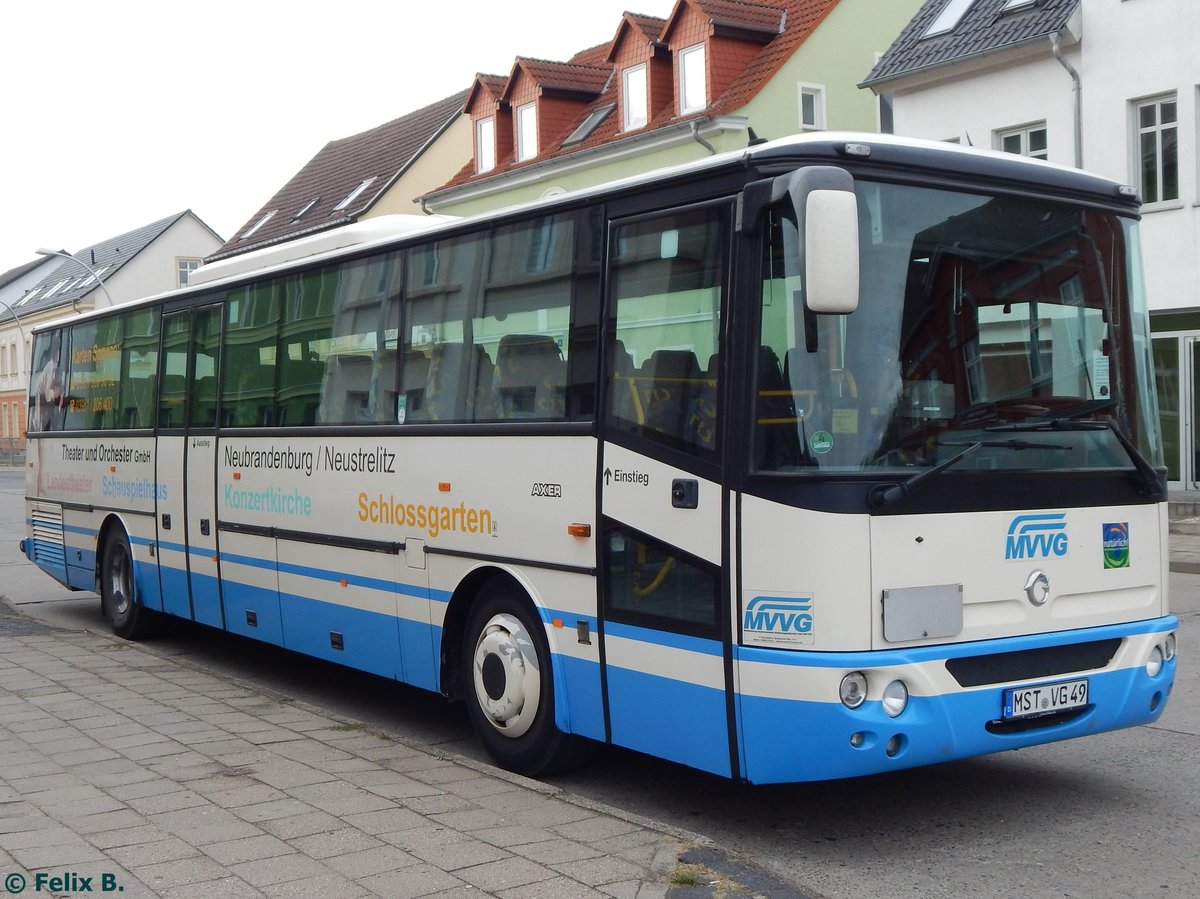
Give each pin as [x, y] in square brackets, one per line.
[509, 685]
[127, 617]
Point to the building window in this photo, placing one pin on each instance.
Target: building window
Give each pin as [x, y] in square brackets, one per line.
[1157, 123]
[306, 209]
[262, 221]
[353, 195]
[812, 107]
[485, 145]
[588, 125]
[634, 97]
[186, 267]
[693, 91]
[1029, 141]
[527, 139]
[949, 17]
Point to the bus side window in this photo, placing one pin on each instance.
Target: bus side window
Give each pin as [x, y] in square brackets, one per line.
[668, 281]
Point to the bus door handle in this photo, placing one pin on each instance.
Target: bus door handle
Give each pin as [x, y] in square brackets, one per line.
[204, 528]
[685, 493]
[166, 520]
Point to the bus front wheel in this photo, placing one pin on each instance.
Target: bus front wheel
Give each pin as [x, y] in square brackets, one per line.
[126, 616]
[510, 693]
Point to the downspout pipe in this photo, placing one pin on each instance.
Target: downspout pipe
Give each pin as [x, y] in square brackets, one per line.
[698, 139]
[1077, 93]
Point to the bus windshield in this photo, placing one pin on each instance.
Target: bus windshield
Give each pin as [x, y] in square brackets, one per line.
[980, 316]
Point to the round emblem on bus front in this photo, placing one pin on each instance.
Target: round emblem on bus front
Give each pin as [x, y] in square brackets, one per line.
[1037, 588]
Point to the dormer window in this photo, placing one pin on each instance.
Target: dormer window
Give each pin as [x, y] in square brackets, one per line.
[485, 145]
[527, 139]
[693, 90]
[634, 97]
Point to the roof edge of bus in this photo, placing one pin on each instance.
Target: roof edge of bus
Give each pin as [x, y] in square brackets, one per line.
[383, 227]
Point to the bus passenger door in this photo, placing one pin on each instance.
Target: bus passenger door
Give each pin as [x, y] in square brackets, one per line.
[187, 446]
[666, 648]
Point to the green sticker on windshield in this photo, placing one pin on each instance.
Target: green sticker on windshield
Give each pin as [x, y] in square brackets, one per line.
[821, 442]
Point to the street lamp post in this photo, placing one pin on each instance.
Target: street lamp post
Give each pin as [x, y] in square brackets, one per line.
[42, 251]
[16, 318]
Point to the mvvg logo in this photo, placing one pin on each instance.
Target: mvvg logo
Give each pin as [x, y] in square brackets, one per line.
[1037, 536]
[776, 615]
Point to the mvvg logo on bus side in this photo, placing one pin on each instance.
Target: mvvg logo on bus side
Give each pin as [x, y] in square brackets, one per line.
[1037, 536]
[776, 620]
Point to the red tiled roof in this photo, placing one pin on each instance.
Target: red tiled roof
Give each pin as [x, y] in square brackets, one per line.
[798, 19]
[493, 84]
[561, 76]
[763, 16]
[803, 17]
[651, 28]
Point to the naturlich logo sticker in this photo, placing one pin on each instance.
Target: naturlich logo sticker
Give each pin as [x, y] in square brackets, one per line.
[1116, 544]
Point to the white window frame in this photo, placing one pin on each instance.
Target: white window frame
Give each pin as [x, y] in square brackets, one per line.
[353, 195]
[485, 145]
[948, 18]
[689, 58]
[184, 266]
[635, 97]
[262, 221]
[817, 93]
[1159, 129]
[1023, 135]
[527, 136]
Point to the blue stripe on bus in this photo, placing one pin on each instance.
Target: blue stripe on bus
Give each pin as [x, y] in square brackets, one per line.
[786, 740]
[663, 638]
[670, 718]
[325, 574]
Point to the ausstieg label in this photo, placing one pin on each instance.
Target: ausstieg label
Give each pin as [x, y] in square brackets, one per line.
[778, 621]
[1037, 536]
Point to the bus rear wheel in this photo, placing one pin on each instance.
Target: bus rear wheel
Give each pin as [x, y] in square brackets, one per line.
[510, 690]
[126, 616]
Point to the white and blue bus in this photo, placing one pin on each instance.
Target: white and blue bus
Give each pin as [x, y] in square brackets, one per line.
[834, 456]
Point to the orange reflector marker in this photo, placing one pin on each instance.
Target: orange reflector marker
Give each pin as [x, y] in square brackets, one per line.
[444, 486]
[344, 582]
[214, 557]
[577, 529]
[557, 622]
[237, 475]
[113, 469]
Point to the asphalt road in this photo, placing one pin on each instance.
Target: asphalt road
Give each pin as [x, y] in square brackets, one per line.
[1114, 815]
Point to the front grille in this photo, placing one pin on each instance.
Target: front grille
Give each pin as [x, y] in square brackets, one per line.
[1003, 667]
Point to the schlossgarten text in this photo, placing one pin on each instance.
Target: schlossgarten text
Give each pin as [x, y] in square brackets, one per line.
[433, 519]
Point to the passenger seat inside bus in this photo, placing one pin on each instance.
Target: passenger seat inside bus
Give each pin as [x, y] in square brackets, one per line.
[530, 377]
[459, 385]
[672, 375]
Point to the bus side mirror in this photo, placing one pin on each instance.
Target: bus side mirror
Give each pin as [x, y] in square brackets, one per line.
[827, 216]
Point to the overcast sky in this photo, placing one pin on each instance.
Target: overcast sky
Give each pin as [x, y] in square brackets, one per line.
[120, 113]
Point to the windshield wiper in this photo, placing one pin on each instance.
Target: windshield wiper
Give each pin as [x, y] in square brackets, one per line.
[881, 496]
[1152, 483]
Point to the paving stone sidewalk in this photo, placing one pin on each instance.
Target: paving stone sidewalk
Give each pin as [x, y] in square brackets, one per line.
[152, 777]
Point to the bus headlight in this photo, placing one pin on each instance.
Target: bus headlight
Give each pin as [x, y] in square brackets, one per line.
[895, 698]
[853, 691]
[1155, 662]
[1169, 647]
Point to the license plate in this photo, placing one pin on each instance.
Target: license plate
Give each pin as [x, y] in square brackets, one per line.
[1045, 699]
